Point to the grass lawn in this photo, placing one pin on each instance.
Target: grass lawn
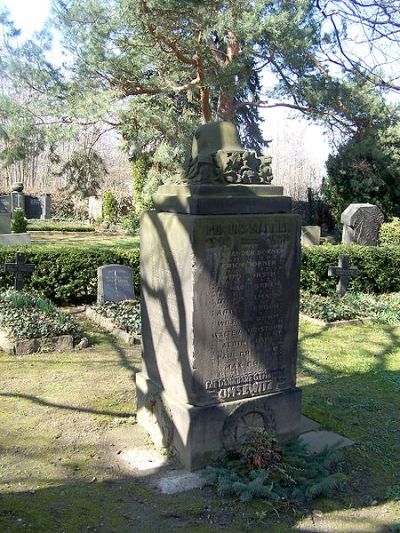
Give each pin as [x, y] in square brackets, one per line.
[65, 417]
[79, 239]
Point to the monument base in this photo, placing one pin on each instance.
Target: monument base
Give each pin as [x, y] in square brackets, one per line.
[202, 433]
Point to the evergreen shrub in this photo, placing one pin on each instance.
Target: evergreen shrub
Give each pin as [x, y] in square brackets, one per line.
[110, 208]
[389, 233]
[68, 275]
[378, 268]
[19, 222]
[283, 476]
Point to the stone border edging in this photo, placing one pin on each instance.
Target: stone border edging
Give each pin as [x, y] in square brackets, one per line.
[10, 345]
[108, 324]
[325, 323]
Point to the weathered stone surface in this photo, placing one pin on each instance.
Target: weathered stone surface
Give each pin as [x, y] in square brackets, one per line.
[361, 223]
[218, 294]
[310, 235]
[219, 329]
[200, 434]
[15, 239]
[45, 204]
[13, 346]
[316, 441]
[221, 199]
[114, 283]
[5, 223]
[108, 324]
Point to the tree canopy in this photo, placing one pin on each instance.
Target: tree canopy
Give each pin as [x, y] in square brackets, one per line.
[155, 68]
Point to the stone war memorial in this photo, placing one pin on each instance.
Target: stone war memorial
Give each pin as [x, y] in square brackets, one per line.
[220, 269]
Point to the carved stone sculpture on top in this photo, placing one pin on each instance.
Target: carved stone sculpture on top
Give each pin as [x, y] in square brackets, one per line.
[218, 158]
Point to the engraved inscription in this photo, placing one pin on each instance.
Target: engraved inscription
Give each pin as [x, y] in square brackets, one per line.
[246, 301]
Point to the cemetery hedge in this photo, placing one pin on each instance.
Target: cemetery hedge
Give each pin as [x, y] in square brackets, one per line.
[378, 268]
[69, 275]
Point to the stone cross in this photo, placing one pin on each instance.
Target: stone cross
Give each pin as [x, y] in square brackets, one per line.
[344, 272]
[20, 268]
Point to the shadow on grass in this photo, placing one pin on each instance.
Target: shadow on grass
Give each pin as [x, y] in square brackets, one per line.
[39, 401]
[351, 387]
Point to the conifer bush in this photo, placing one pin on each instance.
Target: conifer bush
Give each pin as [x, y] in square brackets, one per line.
[110, 208]
[284, 476]
[19, 222]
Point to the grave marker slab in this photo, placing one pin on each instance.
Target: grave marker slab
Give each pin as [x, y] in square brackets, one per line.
[361, 223]
[114, 283]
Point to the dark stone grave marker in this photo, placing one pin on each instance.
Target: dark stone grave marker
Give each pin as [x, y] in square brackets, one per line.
[344, 272]
[115, 283]
[20, 268]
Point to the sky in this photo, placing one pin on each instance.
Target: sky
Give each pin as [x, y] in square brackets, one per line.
[30, 15]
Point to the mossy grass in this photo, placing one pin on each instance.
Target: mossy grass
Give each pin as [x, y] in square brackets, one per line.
[62, 417]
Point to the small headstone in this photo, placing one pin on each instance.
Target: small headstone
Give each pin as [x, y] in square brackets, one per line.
[20, 268]
[361, 223]
[114, 283]
[310, 235]
[344, 272]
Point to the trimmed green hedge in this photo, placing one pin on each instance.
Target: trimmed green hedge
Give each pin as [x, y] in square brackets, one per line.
[58, 226]
[69, 275]
[389, 234]
[379, 268]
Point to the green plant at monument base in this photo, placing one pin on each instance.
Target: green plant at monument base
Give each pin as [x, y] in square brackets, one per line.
[28, 315]
[389, 233]
[125, 315]
[19, 222]
[285, 477]
[384, 307]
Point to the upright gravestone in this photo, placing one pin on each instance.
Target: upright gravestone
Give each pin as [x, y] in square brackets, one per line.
[114, 283]
[220, 265]
[361, 223]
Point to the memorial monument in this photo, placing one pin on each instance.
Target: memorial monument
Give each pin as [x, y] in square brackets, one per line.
[220, 269]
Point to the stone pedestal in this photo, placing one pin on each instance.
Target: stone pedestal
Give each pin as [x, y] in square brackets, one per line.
[220, 306]
[45, 203]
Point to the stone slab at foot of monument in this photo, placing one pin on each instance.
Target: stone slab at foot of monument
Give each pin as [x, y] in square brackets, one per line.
[361, 223]
[220, 264]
